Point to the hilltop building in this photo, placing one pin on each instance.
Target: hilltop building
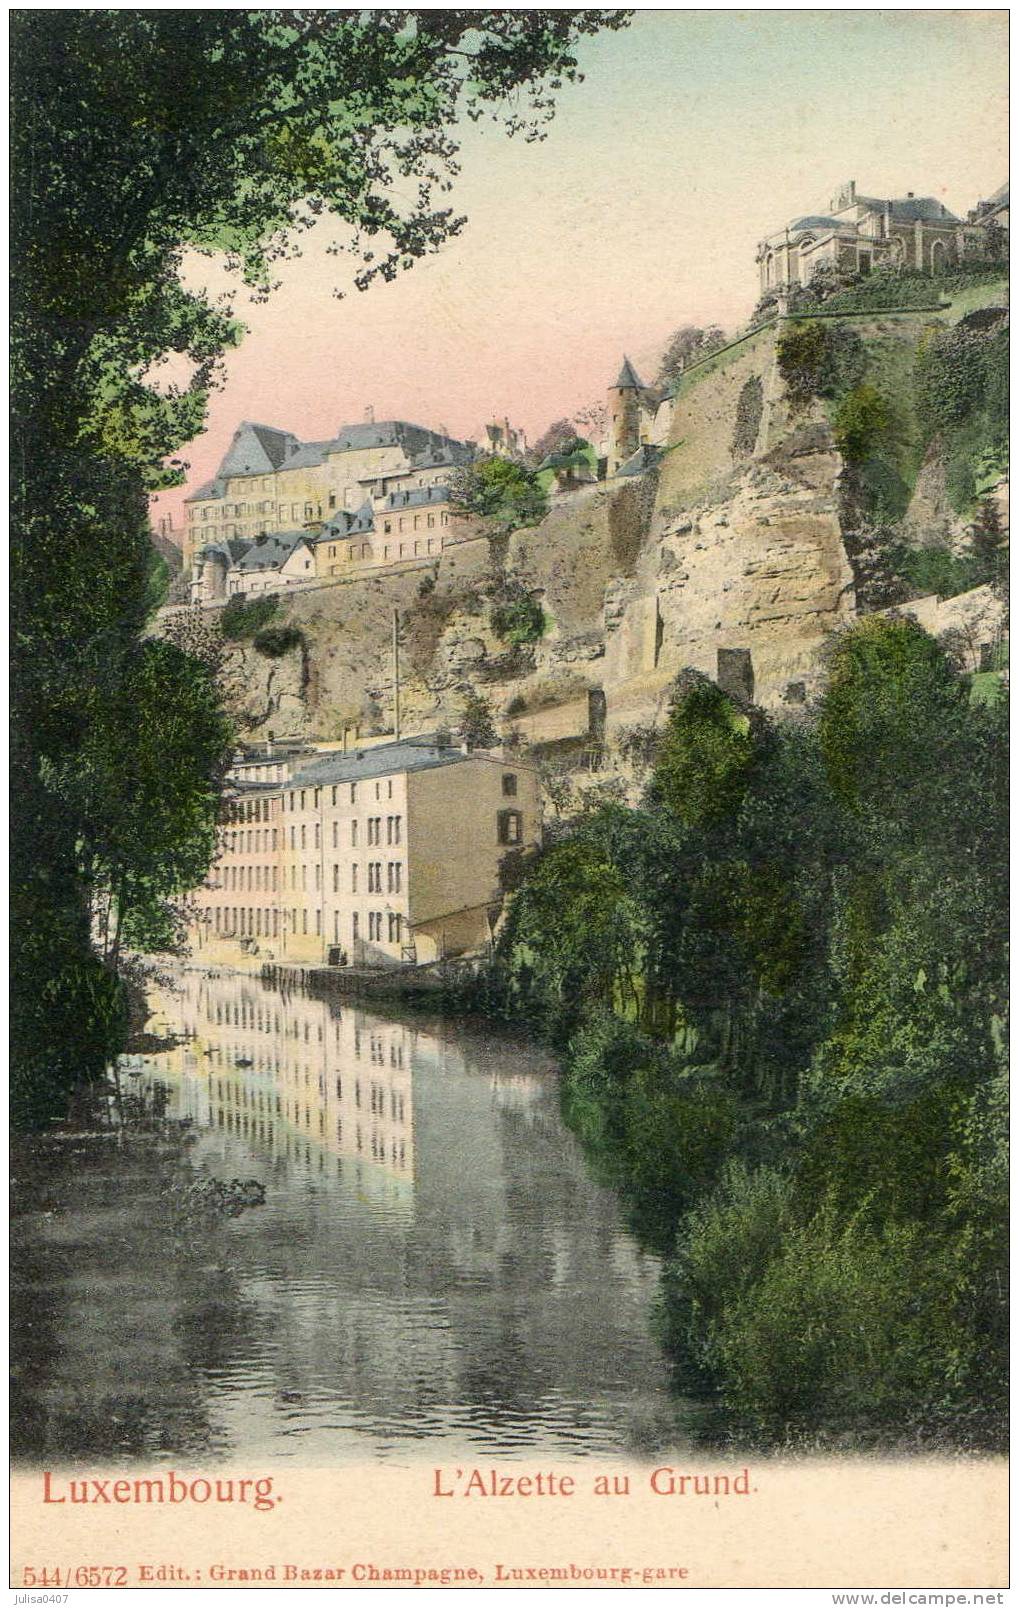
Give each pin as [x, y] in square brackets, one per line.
[502, 440]
[259, 523]
[860, 232]
[383, 856]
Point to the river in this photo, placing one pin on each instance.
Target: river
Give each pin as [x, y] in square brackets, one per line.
[433, 1272]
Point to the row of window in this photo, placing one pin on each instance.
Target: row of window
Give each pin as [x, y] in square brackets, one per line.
[250, 809]
[394, 833]
[298, 797]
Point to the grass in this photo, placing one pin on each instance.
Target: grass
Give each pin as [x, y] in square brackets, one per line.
[985, 687]
[975, 296]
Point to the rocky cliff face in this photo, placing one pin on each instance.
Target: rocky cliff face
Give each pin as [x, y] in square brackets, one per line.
[734, 543]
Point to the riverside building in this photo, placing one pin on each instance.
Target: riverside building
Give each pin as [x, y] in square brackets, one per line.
[388, 855]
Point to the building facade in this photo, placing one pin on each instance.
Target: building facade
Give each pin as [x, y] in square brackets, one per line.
[859, 233]
[272, 492]
[385, 856]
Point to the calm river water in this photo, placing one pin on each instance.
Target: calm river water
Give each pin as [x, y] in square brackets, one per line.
[433, 1271]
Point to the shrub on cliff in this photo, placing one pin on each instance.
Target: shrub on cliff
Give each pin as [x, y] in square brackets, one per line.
[861, 419]
[276, 642]
[519, 618]
[242, 618]
[817, 358]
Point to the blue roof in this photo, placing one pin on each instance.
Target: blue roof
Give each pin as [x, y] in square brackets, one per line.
[270, 552]
[388, 759]
[414, 497]
[814, 221]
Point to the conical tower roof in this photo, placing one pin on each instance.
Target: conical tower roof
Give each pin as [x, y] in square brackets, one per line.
[628, 379]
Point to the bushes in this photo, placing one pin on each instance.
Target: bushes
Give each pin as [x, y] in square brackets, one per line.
[518, 619]
[274, 643]
[749, 413]
[241, 619]
[861, 418]
[961, 387]
[934, 569]
[779, 988]
[819, 359]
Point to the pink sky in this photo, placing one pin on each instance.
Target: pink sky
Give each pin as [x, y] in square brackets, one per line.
[695, 134]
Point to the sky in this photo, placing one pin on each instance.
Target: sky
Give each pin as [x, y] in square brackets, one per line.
[694, 134]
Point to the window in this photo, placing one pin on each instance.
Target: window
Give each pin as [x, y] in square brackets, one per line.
[353, 834]
[397, 824]
[354, 924]
[336, 830]
[353, 878]
[394, 929]
[353, 792]
[334, 801]
[318, 836]
[509, 826]
[509, 786]
[304, 837]
[394, 877]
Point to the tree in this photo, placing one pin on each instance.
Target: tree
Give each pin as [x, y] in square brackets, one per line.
[500, 491]
[687, 345]
[551, 440]
[145, 829]
[477, 727]
[704, 755]
[138, 135]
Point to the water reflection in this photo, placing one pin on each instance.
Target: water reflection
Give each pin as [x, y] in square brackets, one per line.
[432, 1266]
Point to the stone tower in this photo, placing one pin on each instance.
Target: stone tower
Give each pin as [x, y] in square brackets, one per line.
[625, 409]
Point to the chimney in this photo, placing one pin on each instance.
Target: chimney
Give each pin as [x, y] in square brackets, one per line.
[909, 195]
[369, 414]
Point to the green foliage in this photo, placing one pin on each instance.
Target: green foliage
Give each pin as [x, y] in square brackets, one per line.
[962, 401]
[861, 419]
[476, 724]
[749, 413]
[499, 490]
[935, 569]
[242, 617]
[819, 358]
[704, 754]
[892, 705]
[278, 640]
[519, 618]
[779, 988]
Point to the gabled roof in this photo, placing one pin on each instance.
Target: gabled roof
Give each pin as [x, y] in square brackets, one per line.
[207, 490]
[910, 208]
[628, 378]
[269, 552]
[343, 524]
[256, 449]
